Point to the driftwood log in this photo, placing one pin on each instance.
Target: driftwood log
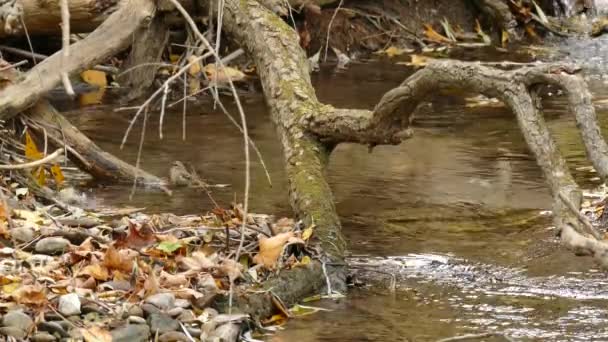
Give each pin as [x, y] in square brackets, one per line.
[310, 130]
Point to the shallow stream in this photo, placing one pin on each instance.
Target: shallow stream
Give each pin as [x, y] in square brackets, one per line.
[454, 212]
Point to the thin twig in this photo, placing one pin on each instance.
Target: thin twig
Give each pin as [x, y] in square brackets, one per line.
[12, 66]
[590, 229]
[139, 149]
[34, 163]
[65, 39]
[474, 336]
[331, 21]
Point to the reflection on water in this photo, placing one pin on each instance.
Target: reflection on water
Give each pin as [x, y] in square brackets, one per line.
[465, 187]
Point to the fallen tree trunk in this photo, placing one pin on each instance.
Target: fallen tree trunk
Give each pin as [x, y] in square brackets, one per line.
[112, 36]
[83, 152]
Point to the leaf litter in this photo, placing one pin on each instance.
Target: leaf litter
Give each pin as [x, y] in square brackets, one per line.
[96, 276]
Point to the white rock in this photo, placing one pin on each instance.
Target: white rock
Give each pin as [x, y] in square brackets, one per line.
[69, 304]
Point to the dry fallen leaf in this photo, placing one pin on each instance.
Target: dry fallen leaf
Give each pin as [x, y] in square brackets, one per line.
[96, 334]
[97, 271]
[231, 268]
[271, 248]
[168, 280]
[118, 260]
[31, 295]
[197, 262]
[223, 75]
[434, 36]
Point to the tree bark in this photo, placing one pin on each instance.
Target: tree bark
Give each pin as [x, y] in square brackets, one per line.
[284, 73]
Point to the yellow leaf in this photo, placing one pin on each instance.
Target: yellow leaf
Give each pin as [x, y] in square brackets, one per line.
[31, 151]
[308, 232]
[194, 85]
[41, 176]
[94, 77]
[434, 36]
[57, 174]
[393, 51]
[173, 58]
[504, 38]
[278, 319]
[10, 288]
[92, 97]
[97, 271]
[195, 68]
[305, 260]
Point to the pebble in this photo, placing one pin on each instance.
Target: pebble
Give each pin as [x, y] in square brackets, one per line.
[53, 327]
[131, 333]
[163, 301]
[186, 316]
[182, 303]
[43, 337]
[173, 336]
[136, 311]
[92, 307]
[175, 311]
[149, 309]
[23, 234]
[205, 300]
[228, 332]
[162, 323]
[13, 332]
[136, 320]
[52, 245]
[69, 305]
[18, 319]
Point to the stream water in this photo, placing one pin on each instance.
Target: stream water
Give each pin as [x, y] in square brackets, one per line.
[454, 213]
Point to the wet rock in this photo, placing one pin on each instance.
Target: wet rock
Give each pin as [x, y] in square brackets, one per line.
[53, 328]
[52, 245]
[92, 307]
[149, 309]
[162, 323]
[69, 305]
[23, 234]
[210, 312]
[43, 337]
[13, 332]
[163, 301]
[173, 336]
[195, 332]
[131, 333]
[136, 311]
[136, 320]
[18, 319]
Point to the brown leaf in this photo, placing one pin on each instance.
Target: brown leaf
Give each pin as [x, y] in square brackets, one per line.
[118, 260]
[271, 248]
[97, 271]
[137, 237]
[435, 36]
[168, 280]
[31, 295]
[231, 268]
[96, 334]
[197, 262]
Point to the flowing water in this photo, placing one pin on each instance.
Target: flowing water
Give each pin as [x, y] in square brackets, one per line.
[454, 213]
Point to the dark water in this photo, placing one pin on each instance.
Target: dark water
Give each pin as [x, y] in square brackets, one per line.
[464, 195]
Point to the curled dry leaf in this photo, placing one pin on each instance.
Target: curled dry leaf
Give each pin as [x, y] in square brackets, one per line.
[197, 262]
[231, 268]
[97, 271]
[168, 280]
[223, 75]
[31, 295]
[118, 260]
[271, 248]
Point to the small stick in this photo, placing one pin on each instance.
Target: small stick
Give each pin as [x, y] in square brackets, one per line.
[11, 66]
[473, 336]
[35, 163]
[65, 38]
[331, 21]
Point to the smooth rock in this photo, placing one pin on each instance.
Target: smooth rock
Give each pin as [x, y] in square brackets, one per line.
[162, 323]
[205, 300]
[23, 234]
[43, 337]
[186, 316]
[149, 309]
[69, 305]
[131, 333]
[182, 303]
[53, 327]
[52, 245]
[173, 336]
[12, 332]
[175, 311]
[228, 332]
[92, 307]
[18, 319]
[163, 301]
[136, 320]
[136, 311]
